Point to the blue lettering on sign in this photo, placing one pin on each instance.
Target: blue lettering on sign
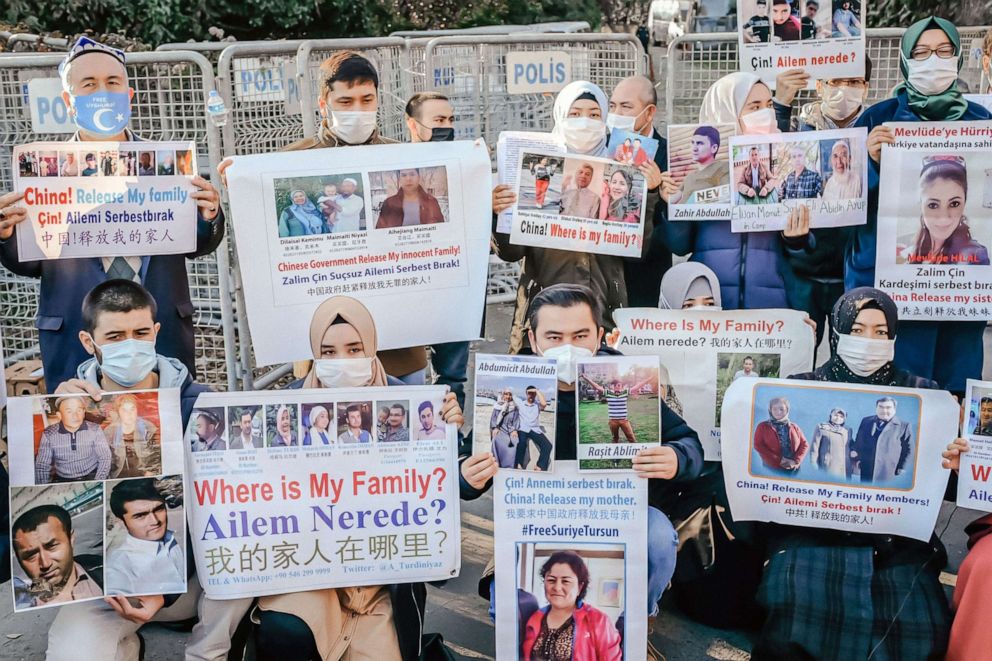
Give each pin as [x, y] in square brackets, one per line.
[544, 73]
[51, 106]
[444, 76]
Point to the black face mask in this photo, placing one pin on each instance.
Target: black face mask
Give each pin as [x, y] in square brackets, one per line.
[442, 134]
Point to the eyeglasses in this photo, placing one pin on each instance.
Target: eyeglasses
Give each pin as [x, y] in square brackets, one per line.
[944, 51]
[858, 83]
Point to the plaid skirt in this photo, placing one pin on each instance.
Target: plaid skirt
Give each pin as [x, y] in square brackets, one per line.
[833, 602]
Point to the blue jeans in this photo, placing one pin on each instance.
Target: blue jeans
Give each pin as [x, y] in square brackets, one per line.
[663, 544]
[450, 362]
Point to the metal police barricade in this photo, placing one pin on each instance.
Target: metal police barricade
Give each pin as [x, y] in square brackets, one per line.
[489, 96]
[170, 95]
[385, 53]
[561, 27]
[696, 61]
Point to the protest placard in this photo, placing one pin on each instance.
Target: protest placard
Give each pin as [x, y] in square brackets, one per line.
[515, 403]
[858, 458]
[508, 149]
[825, 38]
[617, 411]
[587, 205]
[98, 480]
[932, 242]
[703, 352]
[699, 162]
[631, 148]
[823, 170]
[398, 227]
[565, 538]
[105, 199]
[976, 464]
[308, 489]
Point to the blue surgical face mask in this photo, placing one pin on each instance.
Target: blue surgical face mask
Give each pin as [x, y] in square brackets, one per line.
[128, 362]
[102, 113]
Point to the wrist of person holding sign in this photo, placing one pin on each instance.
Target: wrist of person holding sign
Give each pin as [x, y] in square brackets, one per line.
[207, 198]
[10, 215]
[479, 469]
[503, 198]
[952, 455]
[788, 84]
[880, 135]
[652, 174]
[797, 230]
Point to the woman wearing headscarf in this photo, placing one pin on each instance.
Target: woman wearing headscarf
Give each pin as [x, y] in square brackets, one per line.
[930, 57]
[301, 217]
[317, 433]
[579, 122]
[381, 621]
[750, 266]
[690, 285]
[780, 442]
[829, 594]
[832, 445]
[504, 429]
[617, 204]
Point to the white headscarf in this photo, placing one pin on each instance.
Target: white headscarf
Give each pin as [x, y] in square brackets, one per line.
[725, 98]
[566, 97]
[681, 278]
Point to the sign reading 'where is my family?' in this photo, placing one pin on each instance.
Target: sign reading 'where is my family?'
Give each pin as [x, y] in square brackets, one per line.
[105, 199]
[308, 489]
[836, 455]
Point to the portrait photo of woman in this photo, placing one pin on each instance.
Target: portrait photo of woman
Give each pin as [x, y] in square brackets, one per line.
[301, 217]
[780, 442]
[944, 235]
[410, 205]
[568, 628]
[832, 445]
[504, 427]
[618, 204]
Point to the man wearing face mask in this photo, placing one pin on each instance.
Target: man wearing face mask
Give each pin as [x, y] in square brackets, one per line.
[633, 106]
[839, 104]
[564, 326]
[349, 100]
[121, 334]
[94, 80]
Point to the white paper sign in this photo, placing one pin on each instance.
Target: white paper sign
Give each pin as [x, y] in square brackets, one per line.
[825, 39]
[974, 491]
[934, 202]
[579, 203]
[545, 522]
[325, 495]
[508, 149]
[823, 170]
[76, 460]
[535, 72]
[314, 224]
[703, 352]
[837, 456]
[104, 199]
[48, 111]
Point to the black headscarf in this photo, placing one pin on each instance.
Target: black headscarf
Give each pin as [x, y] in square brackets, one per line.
[844, 314]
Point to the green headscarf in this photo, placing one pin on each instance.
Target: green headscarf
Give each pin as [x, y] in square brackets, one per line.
[949, 104]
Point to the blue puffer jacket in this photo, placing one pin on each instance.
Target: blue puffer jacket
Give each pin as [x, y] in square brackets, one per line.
[751, 267]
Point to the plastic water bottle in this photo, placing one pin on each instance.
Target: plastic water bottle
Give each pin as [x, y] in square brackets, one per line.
[216, 110]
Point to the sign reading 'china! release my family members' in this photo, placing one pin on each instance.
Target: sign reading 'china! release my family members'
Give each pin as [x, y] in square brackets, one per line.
[401, 228]
[934, 208]
[322, 488]
[579, 203]
[104, 199]
[836, 455]
[703, 352]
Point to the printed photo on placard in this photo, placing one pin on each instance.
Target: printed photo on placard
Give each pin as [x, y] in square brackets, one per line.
[206, 430]
[618, 410]
[426, 421]
[409, 197]
[979, 415]
[142, 512]
[354, 422]
[281, 425]
[244, 428]
[699, 162]
[631, 148]
[540, 182]
[396, 426]
[976, 464]
[56, 544]
[317, 428]
[308, 206]
[515, 404]
[733, 366]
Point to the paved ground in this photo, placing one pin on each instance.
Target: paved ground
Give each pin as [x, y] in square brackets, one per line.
[457, 610]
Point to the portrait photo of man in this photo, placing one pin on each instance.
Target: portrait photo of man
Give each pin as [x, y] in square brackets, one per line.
[397, 430]
[249, 430]
[73, 449]
[208, 431]
[42, 539]
[353, 430]
[428, 430]
[709, 172]
[747, 370]
[984, 425]
[149, 559]
[579, 199]
[802, 182]
[883, 446]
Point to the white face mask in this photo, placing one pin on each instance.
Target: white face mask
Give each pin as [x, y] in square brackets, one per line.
[932, 75]
[353, 126]
[582, 134]
[127, 362]
[566, 355]
[841, 102]
[343, 372]
[864, 355]
[760, 122]
[622, 122]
